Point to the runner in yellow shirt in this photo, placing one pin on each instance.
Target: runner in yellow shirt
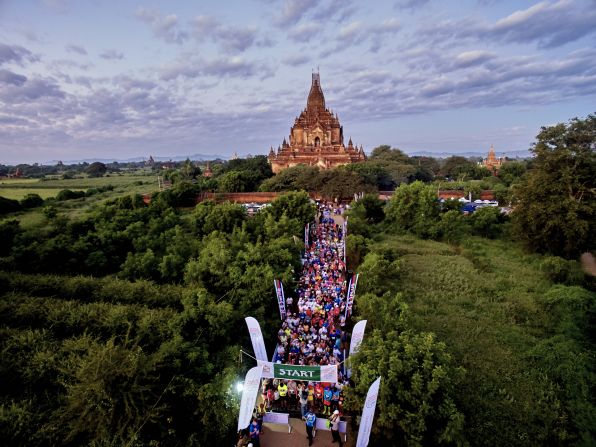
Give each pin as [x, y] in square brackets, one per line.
[282, 388]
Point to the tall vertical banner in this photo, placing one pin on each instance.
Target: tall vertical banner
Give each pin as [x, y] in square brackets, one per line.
[281, 299]
[368, 414]
[249, 396]
[351, 294]
[256, 337]
[357, 337]
[306, 235]
[345, 236]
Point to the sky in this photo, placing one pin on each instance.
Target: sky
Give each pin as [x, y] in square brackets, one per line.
[83, 79]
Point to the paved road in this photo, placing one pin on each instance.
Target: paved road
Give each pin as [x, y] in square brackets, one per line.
[278, 436]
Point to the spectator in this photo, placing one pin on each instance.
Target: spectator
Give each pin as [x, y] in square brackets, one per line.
[334, 420]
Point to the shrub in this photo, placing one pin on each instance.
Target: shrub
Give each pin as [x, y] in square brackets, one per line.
[9, 205]
[32, 201]
[67, 194]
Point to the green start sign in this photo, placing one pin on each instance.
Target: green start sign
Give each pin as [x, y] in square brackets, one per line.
[297, 372]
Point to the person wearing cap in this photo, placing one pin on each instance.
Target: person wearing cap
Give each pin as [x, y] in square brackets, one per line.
[334, 420]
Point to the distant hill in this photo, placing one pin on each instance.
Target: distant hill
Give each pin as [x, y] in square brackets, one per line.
[509, 154]
[194, 157]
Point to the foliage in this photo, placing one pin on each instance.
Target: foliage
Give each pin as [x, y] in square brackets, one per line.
[413, 208]
[460, 168]
[527, 345]
[512, 171]
[556, 210]
[96, 169]
[8, 205]
[31, 201]
[295, 205]
[67, 194]
[418, 382]
[562, 271]
[487, 222]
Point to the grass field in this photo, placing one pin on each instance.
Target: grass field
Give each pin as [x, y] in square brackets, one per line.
[125, 183]
[19, 193]
[484, 299]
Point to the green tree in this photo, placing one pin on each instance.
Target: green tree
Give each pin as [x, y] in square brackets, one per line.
[556, 209]
[414, 208]
[31, 201]
[512, 171]
[487, 222]
[96, 169]
[416, 404]
[295, 205]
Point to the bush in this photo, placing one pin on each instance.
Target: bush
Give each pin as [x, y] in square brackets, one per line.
[562, 271]
[67, 194]
[487, 222]
[32, 201]
[9, 205]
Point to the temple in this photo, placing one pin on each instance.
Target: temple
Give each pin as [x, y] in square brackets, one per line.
[316, 138]
[492, 163]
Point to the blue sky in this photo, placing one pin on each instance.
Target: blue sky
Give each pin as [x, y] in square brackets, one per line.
[118, 79]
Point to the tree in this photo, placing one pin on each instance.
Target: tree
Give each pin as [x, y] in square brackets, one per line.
[512, 171]
[414, 208]
[31, 201]
[396, 163]
[296, 178]
[487, 222]
[416, 404]
[96, 169]
[295, 205]
[556, 210]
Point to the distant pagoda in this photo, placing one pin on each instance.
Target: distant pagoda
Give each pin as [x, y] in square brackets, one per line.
[492, 163]
[316, 139]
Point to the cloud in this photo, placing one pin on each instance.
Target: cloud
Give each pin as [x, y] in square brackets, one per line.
[163, 26]
[410, 4]
[336, 10]
[230, 39]
[304, 32]
[76, 49]
[24, 90]
[349, 33]
[16, 54]
[235, 67]
[296, 60]
[111, 54]
[548, 24]
[8, 77]
[292, 11]
[475, 57]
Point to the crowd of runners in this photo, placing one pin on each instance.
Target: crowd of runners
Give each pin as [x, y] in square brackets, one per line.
[313, 330]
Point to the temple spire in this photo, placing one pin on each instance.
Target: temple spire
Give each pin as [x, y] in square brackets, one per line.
[316, 99]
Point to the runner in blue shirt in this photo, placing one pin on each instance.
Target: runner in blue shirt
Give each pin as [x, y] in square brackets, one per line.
[310, 419]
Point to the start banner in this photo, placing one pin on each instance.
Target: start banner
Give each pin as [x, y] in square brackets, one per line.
[326, 373]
